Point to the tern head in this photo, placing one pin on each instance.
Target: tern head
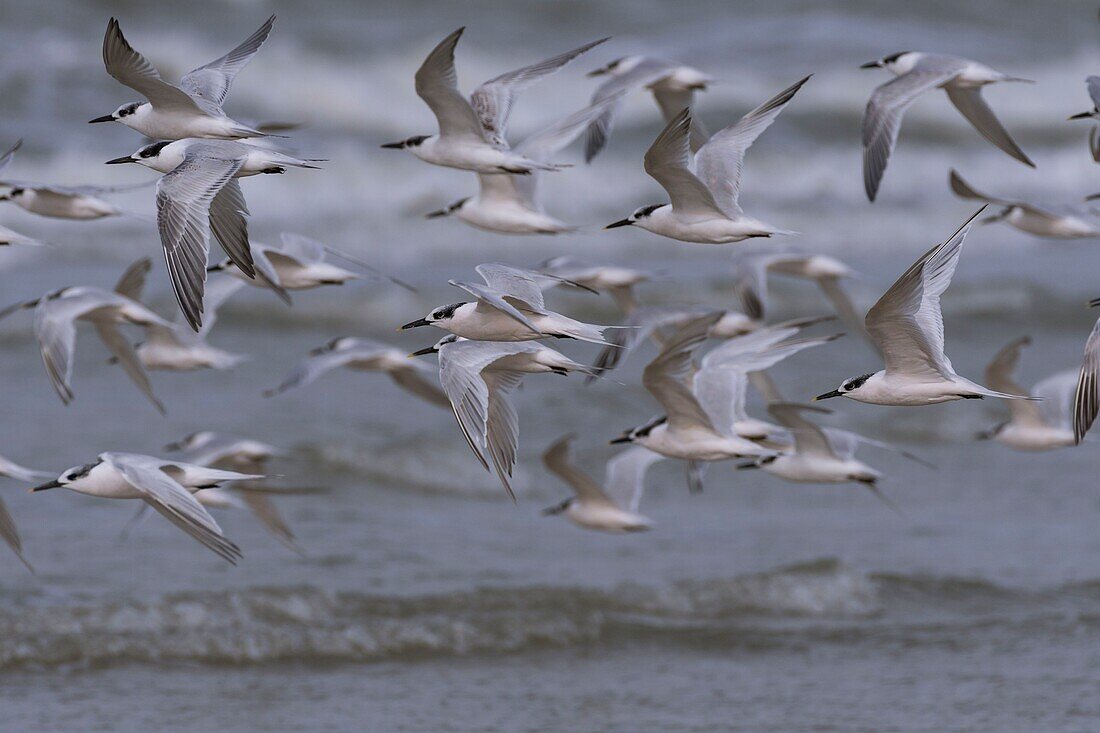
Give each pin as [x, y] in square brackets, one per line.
[634, 218]
[994, 218]
[145, 155]
[447, 210]
[11, 194]
[69, 477]
[441, 314]
[898, 63]
[192, 441]
[848, 385]
[123, 114]
[617, 67]
[1085, 115]
[558, 508]
[413, 142]
[434, 348]
[632, 435]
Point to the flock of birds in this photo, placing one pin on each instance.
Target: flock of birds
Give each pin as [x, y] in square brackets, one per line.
[496, 338]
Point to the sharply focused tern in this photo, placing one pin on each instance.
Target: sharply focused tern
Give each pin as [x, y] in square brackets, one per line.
[704, 204]
[192, 109]
[612, 507]
[917, 73]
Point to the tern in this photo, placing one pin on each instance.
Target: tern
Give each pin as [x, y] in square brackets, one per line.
[1086, 397]
[8, 238]
[81, 203]
[365, 355]
[686, 431]
[509, 204]
[1032, 427]
[1093, 85]
[478, 378]
[1062, 222]
[55, 317]
[673, 86]
[704, 206]
[165, 485]
[508, 307]
[907, 326]
[192, 109]
[612, 507]
[199, 194]
[615, 280]
[917, 73]
[472, 133]
[9, 532]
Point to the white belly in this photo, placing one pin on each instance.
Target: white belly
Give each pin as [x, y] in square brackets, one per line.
[818, 469]
[605, 518]
[468, 156]
[509, 219]
[1063, 227]
[1034, 438]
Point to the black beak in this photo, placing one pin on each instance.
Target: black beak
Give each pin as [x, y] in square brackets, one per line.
[620, 440]
[48, 485]
[746, 466]
[123, 159]
[415, 324]
[1081, 116]
[104, 118]
[435, 214]
[173, 447]
[871, 65]
[424, 352]
[619, 223]
[827, 395]
[395, 146]
[553, 510]
[596, 72]
[991, 219]
[1094, 302]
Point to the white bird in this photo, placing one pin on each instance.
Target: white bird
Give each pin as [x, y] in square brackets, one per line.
[365, 355]
[508, 307]
[209, 448]
[509, 204]
[750, 281]
[704, 206]
[473, 133]
[1056, 222]
[1032, 427]
[1092, 83]
[55, 317]
[9, 532]
[686, 431]
[478, 378]
[612, 507]
[165, 485]
[817, 457]
[179, 349]
[199, 194]
[60, 202]
[8, 237]
[673, 86]
[615, 280]
[907, 326]
[192, 109]
[298, 263]
[916, 73]
[1086, 398]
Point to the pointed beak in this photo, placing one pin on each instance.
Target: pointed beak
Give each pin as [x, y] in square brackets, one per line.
[828, 395]
[1094, 302]
[173, 447]
[424, 352]
[551, 511]
[746, 466]
[415, 324]
[48, 485]
[438, 213]
[395, 146]
[104, 118]
[991, 219]
[619, 223]
[596, 72]
[620, 440]
[123, 159]
[1080, 116]
[871, 65]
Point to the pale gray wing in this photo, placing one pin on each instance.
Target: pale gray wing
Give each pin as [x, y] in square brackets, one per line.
[645, 73]
[132, 281]
[624, 481]
[371, 269]
[312, 367]
[882, 118]
[301, 248]
[266, 272]
[809, 439]
[265, 511]
[720, 162]
[665, 376]
[836, 295]
[1093, 84]
[173, 501]
[750, 280]
[1000, 376]
[1086, 398]
[218, 290]
[9, 532]
[13, 470]
[132, 69]
[969, 101]
[962, 189]
[671, 101]
[668, 162]
[558, 461]
[183, 218]
[6, 158]
[642, 324]
[55, 329]
[229, 224]
[212, 81]
[495, 299]
[1056, 393]
[502, 426]
[721, 392]
[513, 282]
[437, 85]
[412, 380]
[906, 323]
[493, 100]
[7, 236]
[123, 351]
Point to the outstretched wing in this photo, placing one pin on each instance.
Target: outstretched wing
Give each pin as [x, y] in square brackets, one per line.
[212, 81]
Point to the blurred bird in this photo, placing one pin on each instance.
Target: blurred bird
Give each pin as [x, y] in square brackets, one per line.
[618, 281]
[1031, 426]
[9, 532]
[1062, 222]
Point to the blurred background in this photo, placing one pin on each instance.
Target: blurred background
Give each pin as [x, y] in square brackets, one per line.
[425, 599]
